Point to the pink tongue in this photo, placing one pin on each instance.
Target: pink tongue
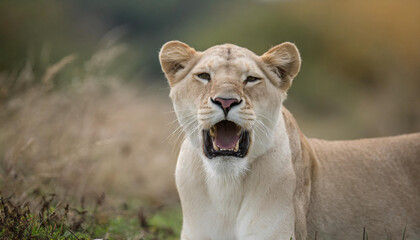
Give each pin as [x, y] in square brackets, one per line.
[226, 137]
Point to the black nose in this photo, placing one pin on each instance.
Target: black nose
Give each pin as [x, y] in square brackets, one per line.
[226, 103]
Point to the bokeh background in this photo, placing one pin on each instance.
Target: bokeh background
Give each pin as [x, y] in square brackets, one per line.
[84, 107]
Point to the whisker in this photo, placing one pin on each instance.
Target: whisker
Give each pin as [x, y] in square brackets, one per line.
[172, 122]
[186, 117]
[248, 119]
[181, 137]
[205, 119]
[257, 135]
[265, 128]
[265, 117]
[204, 113]
[247, 113]
[178, 129]
[173, 111]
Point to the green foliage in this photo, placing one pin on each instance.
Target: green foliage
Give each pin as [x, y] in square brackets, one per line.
[18, 222]
[167, 222]
[63, 222]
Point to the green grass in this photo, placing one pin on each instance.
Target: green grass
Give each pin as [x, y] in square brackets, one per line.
[19, 222]
[167, 222]
[52, 221]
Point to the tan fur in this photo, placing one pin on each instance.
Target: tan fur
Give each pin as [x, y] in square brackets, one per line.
[287, 185]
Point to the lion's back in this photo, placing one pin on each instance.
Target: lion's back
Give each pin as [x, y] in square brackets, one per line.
[397, 154]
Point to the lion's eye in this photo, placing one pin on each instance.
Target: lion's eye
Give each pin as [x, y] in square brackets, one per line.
[251, 79]
[204, 76]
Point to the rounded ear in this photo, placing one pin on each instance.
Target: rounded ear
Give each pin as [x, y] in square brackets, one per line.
[284, 61]
[173, 57]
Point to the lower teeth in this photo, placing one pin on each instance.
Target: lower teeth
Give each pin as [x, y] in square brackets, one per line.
[215, 147]
[237, 146]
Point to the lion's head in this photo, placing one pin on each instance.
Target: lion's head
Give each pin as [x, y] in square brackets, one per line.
[228, 99]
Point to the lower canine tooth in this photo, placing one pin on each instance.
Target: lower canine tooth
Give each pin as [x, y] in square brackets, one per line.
[215, 147]
[237, 146]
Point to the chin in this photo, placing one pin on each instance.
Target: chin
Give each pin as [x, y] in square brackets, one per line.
[225, 168]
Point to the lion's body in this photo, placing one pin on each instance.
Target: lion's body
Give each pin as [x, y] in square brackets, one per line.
[369, 183]
[286, 185]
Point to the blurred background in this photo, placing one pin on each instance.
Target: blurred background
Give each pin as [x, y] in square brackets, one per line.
[84, 107]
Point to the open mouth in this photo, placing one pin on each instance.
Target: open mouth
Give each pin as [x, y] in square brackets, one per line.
[226, 138]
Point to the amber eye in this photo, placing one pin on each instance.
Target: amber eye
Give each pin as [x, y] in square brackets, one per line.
[204, 76]
[251, 79]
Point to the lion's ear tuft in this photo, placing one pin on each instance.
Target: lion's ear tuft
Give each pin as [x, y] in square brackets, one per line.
[173, 57]
[284, 61]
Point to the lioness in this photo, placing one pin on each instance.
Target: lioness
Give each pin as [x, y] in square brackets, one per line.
[245, 170]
